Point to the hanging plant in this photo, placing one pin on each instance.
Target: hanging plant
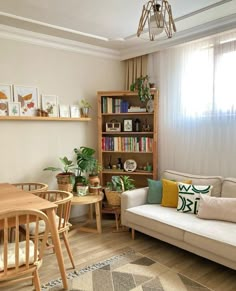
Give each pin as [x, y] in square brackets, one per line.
[141, 85]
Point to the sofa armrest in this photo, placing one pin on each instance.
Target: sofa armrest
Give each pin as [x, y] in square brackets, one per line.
[132, 198]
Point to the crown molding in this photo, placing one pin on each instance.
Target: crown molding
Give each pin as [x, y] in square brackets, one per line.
[204, 30]
[8, 32]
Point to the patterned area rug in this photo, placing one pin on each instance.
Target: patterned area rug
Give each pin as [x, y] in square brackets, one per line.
[127, 271]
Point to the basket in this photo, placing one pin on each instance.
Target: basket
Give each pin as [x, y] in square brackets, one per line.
[64, 182]
[113, 197]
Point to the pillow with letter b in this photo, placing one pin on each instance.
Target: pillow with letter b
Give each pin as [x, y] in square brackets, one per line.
[189, 196]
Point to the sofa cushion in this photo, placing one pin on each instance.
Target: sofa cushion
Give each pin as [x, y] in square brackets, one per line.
[154, 194]
[215, 181]
[229, 188]
[189, 196]
[11, 254]
[156, 218]
[217, 208]
[218, 237]
[170, 193]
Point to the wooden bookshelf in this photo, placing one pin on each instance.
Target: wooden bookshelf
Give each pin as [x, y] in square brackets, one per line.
[142, 156]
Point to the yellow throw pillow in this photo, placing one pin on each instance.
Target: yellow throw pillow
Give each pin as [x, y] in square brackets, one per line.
[170, 192]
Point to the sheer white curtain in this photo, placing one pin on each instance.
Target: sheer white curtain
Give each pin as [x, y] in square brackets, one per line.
[197, 106]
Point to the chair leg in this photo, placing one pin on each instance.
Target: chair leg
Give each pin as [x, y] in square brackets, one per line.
[68, 249]
[36, 280]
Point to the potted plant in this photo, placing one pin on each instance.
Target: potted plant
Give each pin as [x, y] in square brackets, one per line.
[116, 187]
[142, 85]
[66, 178]
[84, 107]
[87, 163]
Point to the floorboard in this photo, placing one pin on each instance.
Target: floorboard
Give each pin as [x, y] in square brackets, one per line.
[88, 248]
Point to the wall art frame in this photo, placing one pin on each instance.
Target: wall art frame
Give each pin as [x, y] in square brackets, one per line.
[14, 108]
[50, 105]
[64, 110]
[74, 111]
[28, 97]
[5, 97]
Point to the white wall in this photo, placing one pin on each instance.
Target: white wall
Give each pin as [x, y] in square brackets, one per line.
[26, 147]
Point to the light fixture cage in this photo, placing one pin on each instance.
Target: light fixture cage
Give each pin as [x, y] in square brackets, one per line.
[156, 17]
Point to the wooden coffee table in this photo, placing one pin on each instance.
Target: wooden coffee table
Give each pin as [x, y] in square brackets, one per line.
[90, 200]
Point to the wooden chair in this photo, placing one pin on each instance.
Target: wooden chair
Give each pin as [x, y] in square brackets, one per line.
[35, 186]
[20, 260]
[63, 200]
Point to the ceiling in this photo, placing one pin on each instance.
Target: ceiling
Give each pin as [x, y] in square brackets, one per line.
[111, 25]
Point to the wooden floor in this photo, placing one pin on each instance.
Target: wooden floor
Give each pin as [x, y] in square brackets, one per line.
[88, 248]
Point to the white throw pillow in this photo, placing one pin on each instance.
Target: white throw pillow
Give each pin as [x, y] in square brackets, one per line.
[189, 196]
[218, 208]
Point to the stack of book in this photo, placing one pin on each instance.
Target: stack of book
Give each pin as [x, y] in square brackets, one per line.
[114, 105]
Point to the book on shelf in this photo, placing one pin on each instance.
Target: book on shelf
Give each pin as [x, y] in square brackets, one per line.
[136, 109]
[127, 144]
[114, 105]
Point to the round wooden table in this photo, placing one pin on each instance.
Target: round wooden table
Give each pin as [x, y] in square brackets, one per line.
[90, 199]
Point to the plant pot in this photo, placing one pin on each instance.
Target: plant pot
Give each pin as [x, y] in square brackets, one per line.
[85, 111]
[94, 181]
[65, 181]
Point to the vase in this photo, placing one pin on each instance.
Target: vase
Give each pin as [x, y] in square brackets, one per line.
[85, 111]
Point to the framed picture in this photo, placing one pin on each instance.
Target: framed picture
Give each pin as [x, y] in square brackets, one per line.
[5, 96]
[14, 108]
[74, 111]
[130, 165]
[28, 98]
[128, 125]
[50, 104]
[64, 110]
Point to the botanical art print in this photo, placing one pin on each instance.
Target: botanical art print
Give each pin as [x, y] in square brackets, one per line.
[5, 96]
[28, 98]
[14, 108]
[50, 104]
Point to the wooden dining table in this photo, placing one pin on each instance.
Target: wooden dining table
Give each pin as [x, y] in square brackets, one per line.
[12, 198]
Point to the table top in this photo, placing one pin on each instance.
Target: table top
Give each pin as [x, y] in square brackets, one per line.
[12, 197]
[87, 199]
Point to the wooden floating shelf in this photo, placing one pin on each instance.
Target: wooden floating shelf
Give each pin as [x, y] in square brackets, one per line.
[127, 132]
[127, 173]
[129, 113]
[127, 152]
[40, 118]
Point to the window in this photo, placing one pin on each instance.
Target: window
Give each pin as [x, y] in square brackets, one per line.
[208, 83]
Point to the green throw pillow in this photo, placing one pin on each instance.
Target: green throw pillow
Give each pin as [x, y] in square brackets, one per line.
[154, 195]
[189, 196]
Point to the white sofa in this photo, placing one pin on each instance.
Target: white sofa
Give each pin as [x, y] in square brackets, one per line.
[211, 239]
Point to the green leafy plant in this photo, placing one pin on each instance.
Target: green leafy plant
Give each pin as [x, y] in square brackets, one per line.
[85, 103]
[86, 161]
[121, 183]
[142, 85]
[66, 170]
[67, 164]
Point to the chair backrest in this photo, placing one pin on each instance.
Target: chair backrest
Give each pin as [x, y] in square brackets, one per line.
[20, 257]
[34, 186]
[63, 200]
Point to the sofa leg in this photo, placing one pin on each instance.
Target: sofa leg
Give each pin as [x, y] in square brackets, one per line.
[133, 233]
